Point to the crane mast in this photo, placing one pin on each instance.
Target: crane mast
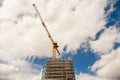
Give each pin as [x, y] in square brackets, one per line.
[55, 46]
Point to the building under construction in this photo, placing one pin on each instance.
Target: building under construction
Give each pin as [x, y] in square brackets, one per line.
[59, 70]
[56, 69]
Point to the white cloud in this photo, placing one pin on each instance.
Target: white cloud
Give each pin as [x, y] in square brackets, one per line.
[22, 33]
[106, 41]
[108, 65]
[28, 77]
[7, 72]
[83, 76]
[19, 71]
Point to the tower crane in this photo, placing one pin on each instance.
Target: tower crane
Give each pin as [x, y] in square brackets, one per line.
[55, 46]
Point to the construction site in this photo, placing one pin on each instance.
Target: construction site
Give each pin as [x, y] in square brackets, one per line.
[56, 69]
[59, 70]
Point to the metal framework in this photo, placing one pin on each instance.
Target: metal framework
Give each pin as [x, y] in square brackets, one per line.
[59, 70]
[55, 46]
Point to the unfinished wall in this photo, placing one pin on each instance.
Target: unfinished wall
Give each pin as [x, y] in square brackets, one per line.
[59, 70]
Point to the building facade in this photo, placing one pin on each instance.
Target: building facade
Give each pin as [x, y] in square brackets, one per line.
[59, 70]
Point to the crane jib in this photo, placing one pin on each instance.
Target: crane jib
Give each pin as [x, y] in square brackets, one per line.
[55, 46]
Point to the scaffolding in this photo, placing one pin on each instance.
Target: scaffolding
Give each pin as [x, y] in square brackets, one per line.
[59, 70]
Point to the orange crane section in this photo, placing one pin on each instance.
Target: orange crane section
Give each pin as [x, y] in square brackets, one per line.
[55, 46]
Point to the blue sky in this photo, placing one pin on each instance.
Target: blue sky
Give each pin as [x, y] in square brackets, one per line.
[114, 16]
[89, 35]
